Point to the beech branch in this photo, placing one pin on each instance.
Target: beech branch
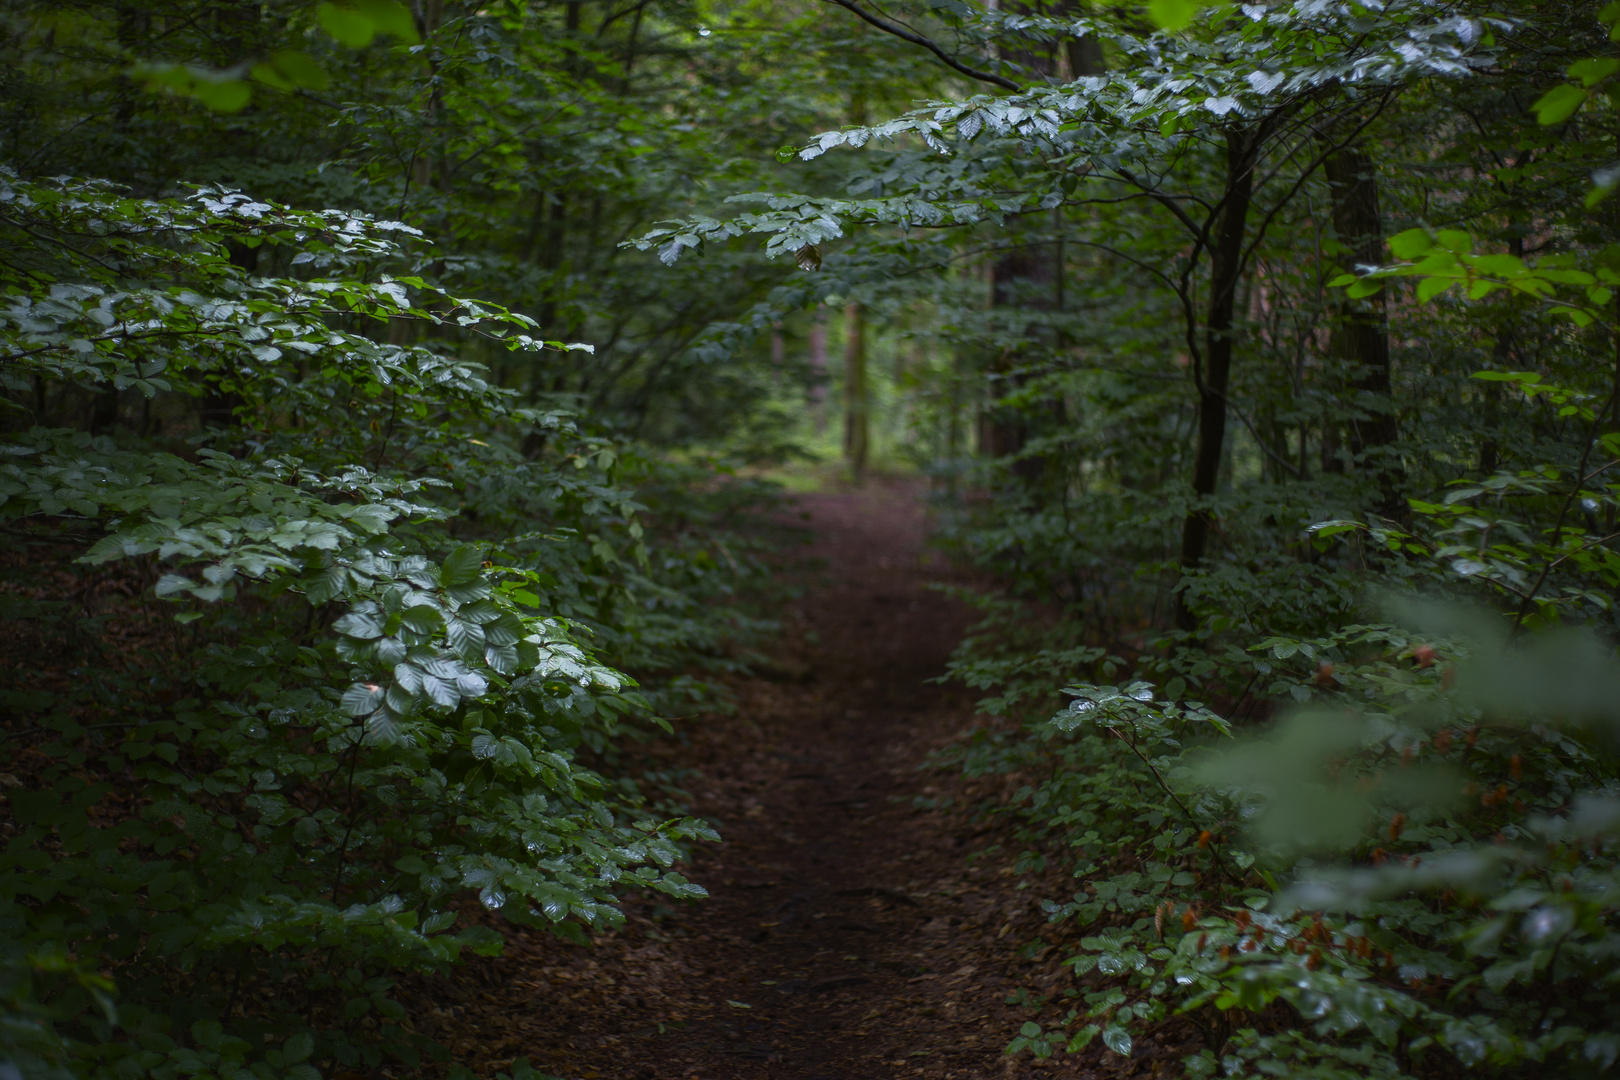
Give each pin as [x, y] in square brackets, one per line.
[917, 39]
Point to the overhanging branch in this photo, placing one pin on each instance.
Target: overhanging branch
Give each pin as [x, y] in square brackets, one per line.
[917, 39]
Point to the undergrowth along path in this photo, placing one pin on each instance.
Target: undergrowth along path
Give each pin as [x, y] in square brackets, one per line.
[857, 927]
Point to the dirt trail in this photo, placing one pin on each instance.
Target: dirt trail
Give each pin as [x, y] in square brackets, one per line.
[848, 937]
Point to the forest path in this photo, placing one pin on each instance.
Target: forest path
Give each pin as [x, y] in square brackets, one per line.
[847, 936]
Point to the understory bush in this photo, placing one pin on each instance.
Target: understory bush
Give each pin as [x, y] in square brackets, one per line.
[286, 686]
[1285, 344]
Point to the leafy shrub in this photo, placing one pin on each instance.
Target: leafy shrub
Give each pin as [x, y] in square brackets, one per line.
[328, 659]
[1409, 873]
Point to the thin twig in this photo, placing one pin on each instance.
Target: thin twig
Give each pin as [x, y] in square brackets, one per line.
[1214, 849]
[1598, 416]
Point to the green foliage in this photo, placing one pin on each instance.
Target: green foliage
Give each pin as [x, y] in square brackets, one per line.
[329, 560]
[1335, 790]
[1265, 357]
[376, 709]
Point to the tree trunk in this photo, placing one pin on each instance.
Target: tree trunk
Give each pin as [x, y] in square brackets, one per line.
[1085, 57]
[1226, 253]
[428, 15]
[1501, 358]
[818, 369]
[1361, 335]
[1032, 275]
[856, 427]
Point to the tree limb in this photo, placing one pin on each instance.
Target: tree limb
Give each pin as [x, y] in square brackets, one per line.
[917, 39]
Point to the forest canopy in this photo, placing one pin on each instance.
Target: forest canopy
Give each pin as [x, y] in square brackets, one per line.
[392, 394]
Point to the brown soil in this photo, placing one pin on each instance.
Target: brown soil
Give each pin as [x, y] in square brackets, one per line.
[854, 930]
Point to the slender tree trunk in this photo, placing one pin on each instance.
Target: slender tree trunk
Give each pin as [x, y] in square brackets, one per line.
[1332, 458]
[1032, 275]
[1361, 335]
[902, 388]
[1226, 253]
[428, 15]
[856, 405]
[818, 369]
[856, 420]
[1501, 355]
[1614, 414]
[953, 424]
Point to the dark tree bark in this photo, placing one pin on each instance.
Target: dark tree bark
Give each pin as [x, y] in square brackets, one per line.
[1085, 56]
[856, 427]
[1032, 275]
[1361, 335]
[1490, 449]
[1024, 278]
[1226, 258]
[818, 369]
[857, 405]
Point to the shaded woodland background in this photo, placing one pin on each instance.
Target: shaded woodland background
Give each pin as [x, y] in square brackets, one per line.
[398, 401]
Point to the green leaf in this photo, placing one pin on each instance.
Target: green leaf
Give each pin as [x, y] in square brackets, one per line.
[356, 23]
[465, 639]
[391, 17]
[442, 692]
[506, 630]
[299, 1047]
[1455, 240]
[267, 74]
[1581, 316]
[362, 699]
[326, 585]
[482, 940]
[1593, 69]
[1117, 1039]
[288, 70]
[1410, 244]
[503, 658]
[225, 97]
[1528, 377]
[1558, 104]
[346, 25]
[423, 618]
[462, 565]
[1173, 14]
[357, 625]
[1431, 287]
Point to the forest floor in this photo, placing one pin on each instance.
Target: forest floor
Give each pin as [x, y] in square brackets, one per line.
[864, 922]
